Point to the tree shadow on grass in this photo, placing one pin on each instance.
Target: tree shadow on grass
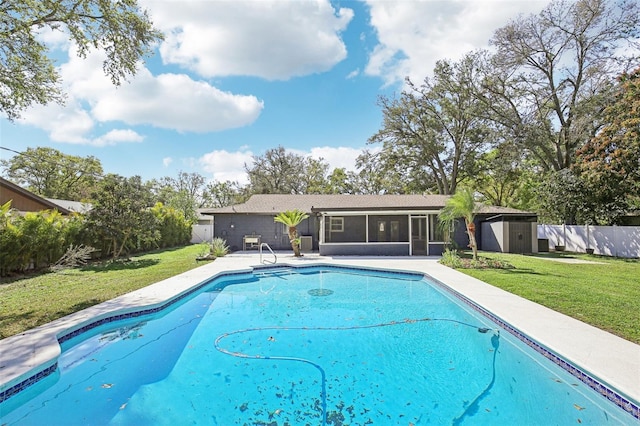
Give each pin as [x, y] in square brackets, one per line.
[23, 317]
[120, 265]
[78, 307]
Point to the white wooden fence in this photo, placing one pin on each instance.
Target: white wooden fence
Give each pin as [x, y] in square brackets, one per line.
[620, 241]
[201, 233]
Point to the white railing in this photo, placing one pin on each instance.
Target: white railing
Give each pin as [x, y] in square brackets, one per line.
[275, 258]
[619, 241]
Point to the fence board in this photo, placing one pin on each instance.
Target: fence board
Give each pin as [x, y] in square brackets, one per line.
[620, 241]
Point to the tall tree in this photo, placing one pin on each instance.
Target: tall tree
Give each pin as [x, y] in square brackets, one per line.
[610, 162]
[53, 174]
[282, 172]
[221, 194]
[553, 72]
[505, 177]
[431, 133]
[184, 193]
[27, 74]
[291, 219]
[121, 214]
[462, 204]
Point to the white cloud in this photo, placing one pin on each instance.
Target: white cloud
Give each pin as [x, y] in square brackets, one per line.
[175, 101]
[227, 166]
[54, 38]
[168, 101]
[166, 161]
[114, 137]
[413, 35]
[275, 40]
[337, 157]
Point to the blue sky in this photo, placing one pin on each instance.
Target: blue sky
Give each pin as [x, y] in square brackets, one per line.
[235, 78]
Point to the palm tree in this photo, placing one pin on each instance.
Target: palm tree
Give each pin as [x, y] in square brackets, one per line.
[461, 204]
[291, 219]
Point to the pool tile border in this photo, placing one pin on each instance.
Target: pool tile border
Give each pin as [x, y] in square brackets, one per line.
[604, 390]
[31, 380]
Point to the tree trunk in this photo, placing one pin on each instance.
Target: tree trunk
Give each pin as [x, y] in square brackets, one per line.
[471, 231]
[293, 239]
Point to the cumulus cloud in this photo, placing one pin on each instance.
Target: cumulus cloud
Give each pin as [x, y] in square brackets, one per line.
[337, 157]
[227, 166]
[117, 136]
[166, 161]
[413, 35]
[275, 40]
[175, 101]
[168, 101]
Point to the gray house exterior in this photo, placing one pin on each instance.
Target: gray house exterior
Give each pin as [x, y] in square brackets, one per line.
[389, 225]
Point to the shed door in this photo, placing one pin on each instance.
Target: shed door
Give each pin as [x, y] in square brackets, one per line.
[520, 237]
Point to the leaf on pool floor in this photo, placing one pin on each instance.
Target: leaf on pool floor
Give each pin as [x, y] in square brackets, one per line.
[107, 385]
[123, 406]
[577, 407]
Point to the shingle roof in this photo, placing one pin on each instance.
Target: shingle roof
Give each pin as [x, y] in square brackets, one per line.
[276, 203]
[498, 210]
[75, 206]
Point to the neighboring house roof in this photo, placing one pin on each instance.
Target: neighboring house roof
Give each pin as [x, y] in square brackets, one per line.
[24, 200]
[276, 203]
[74, 206]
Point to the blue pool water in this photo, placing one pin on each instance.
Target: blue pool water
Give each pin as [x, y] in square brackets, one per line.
[316, 346]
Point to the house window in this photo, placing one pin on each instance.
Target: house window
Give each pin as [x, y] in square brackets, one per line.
[336, 224]
[436, 233]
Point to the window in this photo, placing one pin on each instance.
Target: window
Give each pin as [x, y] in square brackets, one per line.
[336, 224]
[436, 233]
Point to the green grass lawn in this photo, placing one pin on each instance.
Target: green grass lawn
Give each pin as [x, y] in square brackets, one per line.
[31, 301]
[604, 295]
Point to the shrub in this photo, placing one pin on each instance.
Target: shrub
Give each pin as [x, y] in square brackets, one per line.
[451, 258]
[219, 247]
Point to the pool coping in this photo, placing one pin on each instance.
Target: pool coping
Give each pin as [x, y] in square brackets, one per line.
[609, 359]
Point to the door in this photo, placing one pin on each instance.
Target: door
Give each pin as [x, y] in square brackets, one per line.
[520, 237]
[419, 236]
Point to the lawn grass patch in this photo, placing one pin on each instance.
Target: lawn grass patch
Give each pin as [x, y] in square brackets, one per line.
[604, 294]
[28, 302]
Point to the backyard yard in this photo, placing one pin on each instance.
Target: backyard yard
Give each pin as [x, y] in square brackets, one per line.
[605, 294]
[32, 301]
[601, 291]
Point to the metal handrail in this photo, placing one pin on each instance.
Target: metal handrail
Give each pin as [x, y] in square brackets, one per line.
[275, 258]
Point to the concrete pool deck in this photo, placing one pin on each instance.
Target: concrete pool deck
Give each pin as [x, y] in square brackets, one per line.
[612, 360]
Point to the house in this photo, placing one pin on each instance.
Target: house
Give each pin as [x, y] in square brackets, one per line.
[399, 225]
[26, 201]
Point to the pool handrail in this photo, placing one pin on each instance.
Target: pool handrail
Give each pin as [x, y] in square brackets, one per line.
[275, 258]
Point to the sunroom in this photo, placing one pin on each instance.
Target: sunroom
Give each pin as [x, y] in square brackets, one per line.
[376, 233]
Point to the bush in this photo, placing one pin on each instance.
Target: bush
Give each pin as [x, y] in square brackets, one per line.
[219, 247]
[452, 259]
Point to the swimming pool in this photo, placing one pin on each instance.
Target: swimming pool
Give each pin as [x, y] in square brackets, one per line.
[312, 345]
